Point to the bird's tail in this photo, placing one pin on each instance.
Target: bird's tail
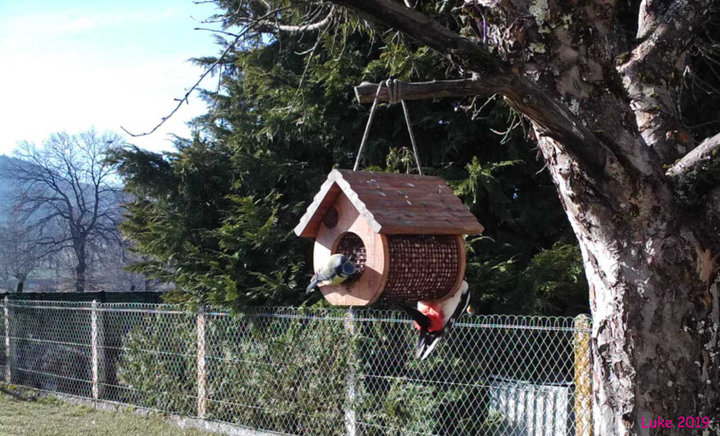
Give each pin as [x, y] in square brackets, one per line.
[426, 343]
[313, 284]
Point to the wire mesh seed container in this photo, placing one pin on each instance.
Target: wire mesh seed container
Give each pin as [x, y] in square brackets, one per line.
[403, 232]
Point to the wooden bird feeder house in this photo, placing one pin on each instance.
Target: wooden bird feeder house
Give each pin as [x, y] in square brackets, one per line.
[403, 232]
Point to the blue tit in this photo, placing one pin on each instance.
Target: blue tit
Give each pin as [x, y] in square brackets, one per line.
[336, 270]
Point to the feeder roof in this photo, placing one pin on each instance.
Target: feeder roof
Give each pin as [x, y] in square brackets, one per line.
[393, 204]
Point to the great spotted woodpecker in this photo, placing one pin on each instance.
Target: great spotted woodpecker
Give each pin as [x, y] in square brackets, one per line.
[434, 318]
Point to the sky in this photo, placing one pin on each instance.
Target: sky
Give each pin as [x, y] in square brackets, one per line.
[72, 65]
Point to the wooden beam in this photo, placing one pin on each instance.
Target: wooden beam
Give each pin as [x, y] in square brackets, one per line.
[552, 117]
[365, 92]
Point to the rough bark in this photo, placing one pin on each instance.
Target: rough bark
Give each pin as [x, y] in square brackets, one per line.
[80, 267]
[650, 260]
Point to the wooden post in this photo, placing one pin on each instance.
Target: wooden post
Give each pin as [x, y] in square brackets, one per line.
[95, 347]
[201, 369]
[583, 376]
[6, 310]
[366, 91]
[350, 418]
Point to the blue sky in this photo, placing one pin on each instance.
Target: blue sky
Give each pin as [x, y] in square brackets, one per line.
[75, 64]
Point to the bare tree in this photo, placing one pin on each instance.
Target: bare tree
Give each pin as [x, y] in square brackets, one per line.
[600, 82]
[70, 194]
[20, 255]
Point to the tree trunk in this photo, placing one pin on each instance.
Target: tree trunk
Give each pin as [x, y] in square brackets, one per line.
[81, 267]
[600, 119]
[21, 279]
[655, 315]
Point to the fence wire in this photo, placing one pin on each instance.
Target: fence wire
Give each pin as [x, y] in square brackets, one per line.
[305, 371]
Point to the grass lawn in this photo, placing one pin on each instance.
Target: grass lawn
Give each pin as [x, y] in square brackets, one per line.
[25, 413]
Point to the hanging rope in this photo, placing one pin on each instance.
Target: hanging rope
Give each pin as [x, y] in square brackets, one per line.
[394, 88]
[412, 136]
[367, 127]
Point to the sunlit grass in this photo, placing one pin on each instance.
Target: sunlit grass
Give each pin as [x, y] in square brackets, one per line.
[24, 412]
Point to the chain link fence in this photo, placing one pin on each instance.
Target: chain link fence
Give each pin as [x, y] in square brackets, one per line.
[304, 371]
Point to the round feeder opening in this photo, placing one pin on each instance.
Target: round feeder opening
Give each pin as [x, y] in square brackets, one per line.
[352, 246]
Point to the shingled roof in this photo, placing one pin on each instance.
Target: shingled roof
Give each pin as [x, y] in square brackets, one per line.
[393, 204]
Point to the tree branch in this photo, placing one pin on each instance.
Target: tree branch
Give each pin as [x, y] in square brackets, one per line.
[302, 28]
[652, 70]
[650, 13]
[207, 71]
[185, 97]
[552, 118]
[698, 173]
[429, 32]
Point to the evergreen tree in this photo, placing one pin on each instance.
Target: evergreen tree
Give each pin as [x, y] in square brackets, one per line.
[216, 217]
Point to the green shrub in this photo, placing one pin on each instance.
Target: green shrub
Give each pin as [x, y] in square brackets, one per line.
[290, 371]
[444, 394]
[159, 364]
[286, 375]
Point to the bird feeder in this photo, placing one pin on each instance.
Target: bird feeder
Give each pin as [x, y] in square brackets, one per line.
[403, 232]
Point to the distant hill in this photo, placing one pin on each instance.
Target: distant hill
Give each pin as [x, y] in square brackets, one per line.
[7, 185]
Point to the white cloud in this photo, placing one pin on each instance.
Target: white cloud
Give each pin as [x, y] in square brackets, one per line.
[80, 24]
[75, 95]
[73, 71]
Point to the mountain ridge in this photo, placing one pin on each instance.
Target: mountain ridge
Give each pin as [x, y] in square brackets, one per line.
[7, 186]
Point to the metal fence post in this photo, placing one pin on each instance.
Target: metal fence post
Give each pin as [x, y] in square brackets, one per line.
[350, 418]
[95, 347]
[201, 368]
[583, 376]
[6, 310]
